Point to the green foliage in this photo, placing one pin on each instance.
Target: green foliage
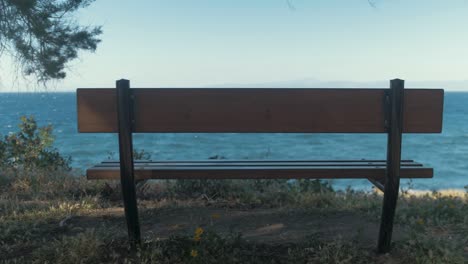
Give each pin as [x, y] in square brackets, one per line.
[137, 155]
[31, 147]
[280, 190]
[141, 155]
[210, 188]
[83, 248]
[315, 186]
[253, 193]
[424, 249]
[337, 251]
[43, 36]
[434, 209]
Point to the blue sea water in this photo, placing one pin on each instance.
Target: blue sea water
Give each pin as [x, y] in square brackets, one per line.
[446, 152]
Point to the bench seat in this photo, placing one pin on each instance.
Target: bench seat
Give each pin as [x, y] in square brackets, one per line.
[259, 169]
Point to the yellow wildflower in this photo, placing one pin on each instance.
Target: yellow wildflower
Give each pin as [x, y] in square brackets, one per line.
[198, 232]
[420, 221]
[194, 253]
[215, 216]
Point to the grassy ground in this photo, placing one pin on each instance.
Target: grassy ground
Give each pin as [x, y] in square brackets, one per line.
[52, 217]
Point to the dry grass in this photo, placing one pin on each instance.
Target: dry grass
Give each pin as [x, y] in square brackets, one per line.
[55, 217]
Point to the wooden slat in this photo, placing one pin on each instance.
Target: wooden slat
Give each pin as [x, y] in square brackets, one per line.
[259, 163]
[258, 172]
[218, 161]
[423, 110]
[259, 110]
[97, 110]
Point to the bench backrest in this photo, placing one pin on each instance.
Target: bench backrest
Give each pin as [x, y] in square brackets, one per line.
[259, 110]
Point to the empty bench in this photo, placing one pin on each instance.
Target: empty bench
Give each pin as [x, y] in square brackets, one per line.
[391, 111]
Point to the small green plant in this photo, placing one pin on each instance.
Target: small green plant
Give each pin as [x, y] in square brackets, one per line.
[423, 248]
[141, 154]
[212, 189]
[137, 155]
[31, 147]
[314, 186]
[252, 191]
[337, 251]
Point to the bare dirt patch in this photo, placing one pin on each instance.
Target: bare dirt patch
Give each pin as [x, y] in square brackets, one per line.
[272, 226]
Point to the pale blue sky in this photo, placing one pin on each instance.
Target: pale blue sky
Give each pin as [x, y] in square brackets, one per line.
[192, 43]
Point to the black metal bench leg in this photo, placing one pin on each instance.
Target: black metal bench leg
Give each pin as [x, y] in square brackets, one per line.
[388, 214]
[126, 161]
[392, 183]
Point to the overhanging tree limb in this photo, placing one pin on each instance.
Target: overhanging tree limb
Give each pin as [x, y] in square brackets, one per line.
[42, 36]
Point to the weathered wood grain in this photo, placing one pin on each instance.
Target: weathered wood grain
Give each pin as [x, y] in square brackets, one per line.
[259, 110]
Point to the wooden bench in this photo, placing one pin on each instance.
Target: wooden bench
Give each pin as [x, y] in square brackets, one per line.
[392, 111]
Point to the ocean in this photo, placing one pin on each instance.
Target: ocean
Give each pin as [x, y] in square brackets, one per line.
[447, 153]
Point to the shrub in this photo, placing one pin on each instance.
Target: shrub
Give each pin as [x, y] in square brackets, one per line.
[271, 191]
[31, 147]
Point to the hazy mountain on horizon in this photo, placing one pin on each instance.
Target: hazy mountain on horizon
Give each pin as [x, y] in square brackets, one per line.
[314, 83]
[461, 85]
